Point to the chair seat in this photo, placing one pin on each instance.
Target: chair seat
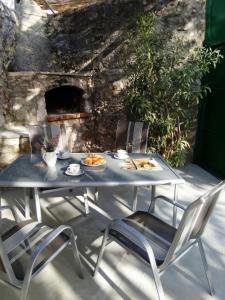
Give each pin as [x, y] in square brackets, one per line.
[20, 255]
[158, 233]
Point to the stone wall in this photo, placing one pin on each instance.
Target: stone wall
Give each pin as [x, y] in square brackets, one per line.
[27, 94]
[92, 39]
[88, 46]
[8, 29]
[27, 105]
[185, 19]
[85, 39]
[33, 51]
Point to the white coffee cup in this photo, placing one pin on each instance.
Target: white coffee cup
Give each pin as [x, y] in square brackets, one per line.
[121, 154]
[65, 154]
[74, 168]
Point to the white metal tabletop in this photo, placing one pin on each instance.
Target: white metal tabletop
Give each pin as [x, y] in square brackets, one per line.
[33, 173]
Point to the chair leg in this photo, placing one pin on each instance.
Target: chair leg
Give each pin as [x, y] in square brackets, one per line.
[26, 285]
[158, 285]
[76, 256]
[27, 203]
[86, 205]
[0, 204]
[206, 267]
[37, 205]
[174, 207]
[24, 292]
[152, 204]
[104, 240]
[156, 275]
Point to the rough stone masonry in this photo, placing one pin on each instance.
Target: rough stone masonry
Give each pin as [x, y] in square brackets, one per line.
[87, 41]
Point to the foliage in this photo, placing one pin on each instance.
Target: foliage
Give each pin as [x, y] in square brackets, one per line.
[165, 84]
[50, 145]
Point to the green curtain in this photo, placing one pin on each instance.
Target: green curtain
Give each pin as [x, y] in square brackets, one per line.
[215, 22]
[209, 149]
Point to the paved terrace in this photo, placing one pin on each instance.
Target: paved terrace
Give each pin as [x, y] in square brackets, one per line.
[122, 276]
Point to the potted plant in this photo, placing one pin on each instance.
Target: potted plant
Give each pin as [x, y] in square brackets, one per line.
[48, 151]
[165, 83]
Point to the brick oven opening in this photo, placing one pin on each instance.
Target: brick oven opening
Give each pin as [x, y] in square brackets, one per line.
[64, 100]
[65, 103]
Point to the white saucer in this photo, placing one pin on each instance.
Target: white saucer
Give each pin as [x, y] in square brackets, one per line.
[81, 172]
[125, 157]
[59, 156]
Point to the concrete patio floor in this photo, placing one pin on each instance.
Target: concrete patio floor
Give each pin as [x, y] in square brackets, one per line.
[122, 276]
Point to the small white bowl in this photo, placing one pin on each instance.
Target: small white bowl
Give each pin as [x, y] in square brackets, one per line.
[63, 155]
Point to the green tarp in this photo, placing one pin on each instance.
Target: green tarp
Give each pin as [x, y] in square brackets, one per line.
[215, 22]
[210, 140]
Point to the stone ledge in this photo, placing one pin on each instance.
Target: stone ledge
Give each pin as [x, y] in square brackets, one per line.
[34, 73]
[14, 141]
[13, 132]
[62, 117]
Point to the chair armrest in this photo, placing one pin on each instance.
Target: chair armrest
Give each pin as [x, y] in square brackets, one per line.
[5, 207]
[169, 201]
[50, 238]
[130, 232]
[43, 245]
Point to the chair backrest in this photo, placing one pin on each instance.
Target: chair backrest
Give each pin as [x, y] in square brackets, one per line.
[132, 136]
[209, 202]
[5, 264]
[193, 222]
[39, 133]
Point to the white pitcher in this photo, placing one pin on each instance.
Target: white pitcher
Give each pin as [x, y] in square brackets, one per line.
[49, 158]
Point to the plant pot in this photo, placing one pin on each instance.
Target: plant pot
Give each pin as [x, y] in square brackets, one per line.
[49, 158]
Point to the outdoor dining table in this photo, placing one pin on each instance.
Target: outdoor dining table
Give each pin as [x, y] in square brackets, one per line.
[30, 172]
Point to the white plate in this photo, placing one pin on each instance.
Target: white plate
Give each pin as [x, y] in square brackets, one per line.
[67, 172]
[83, 163]
[125, 157]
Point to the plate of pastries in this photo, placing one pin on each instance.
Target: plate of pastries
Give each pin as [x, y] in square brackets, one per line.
[141, 164]
[93, 160]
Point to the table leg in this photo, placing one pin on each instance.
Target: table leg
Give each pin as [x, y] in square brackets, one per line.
[96, 194]
[37, 205]
[93, 195]
[0, 203]
[174, 207]
[27, 202]
[152, 205]
[86, 205]
[135, 193]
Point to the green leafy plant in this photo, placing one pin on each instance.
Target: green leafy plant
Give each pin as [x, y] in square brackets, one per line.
[165, 85]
